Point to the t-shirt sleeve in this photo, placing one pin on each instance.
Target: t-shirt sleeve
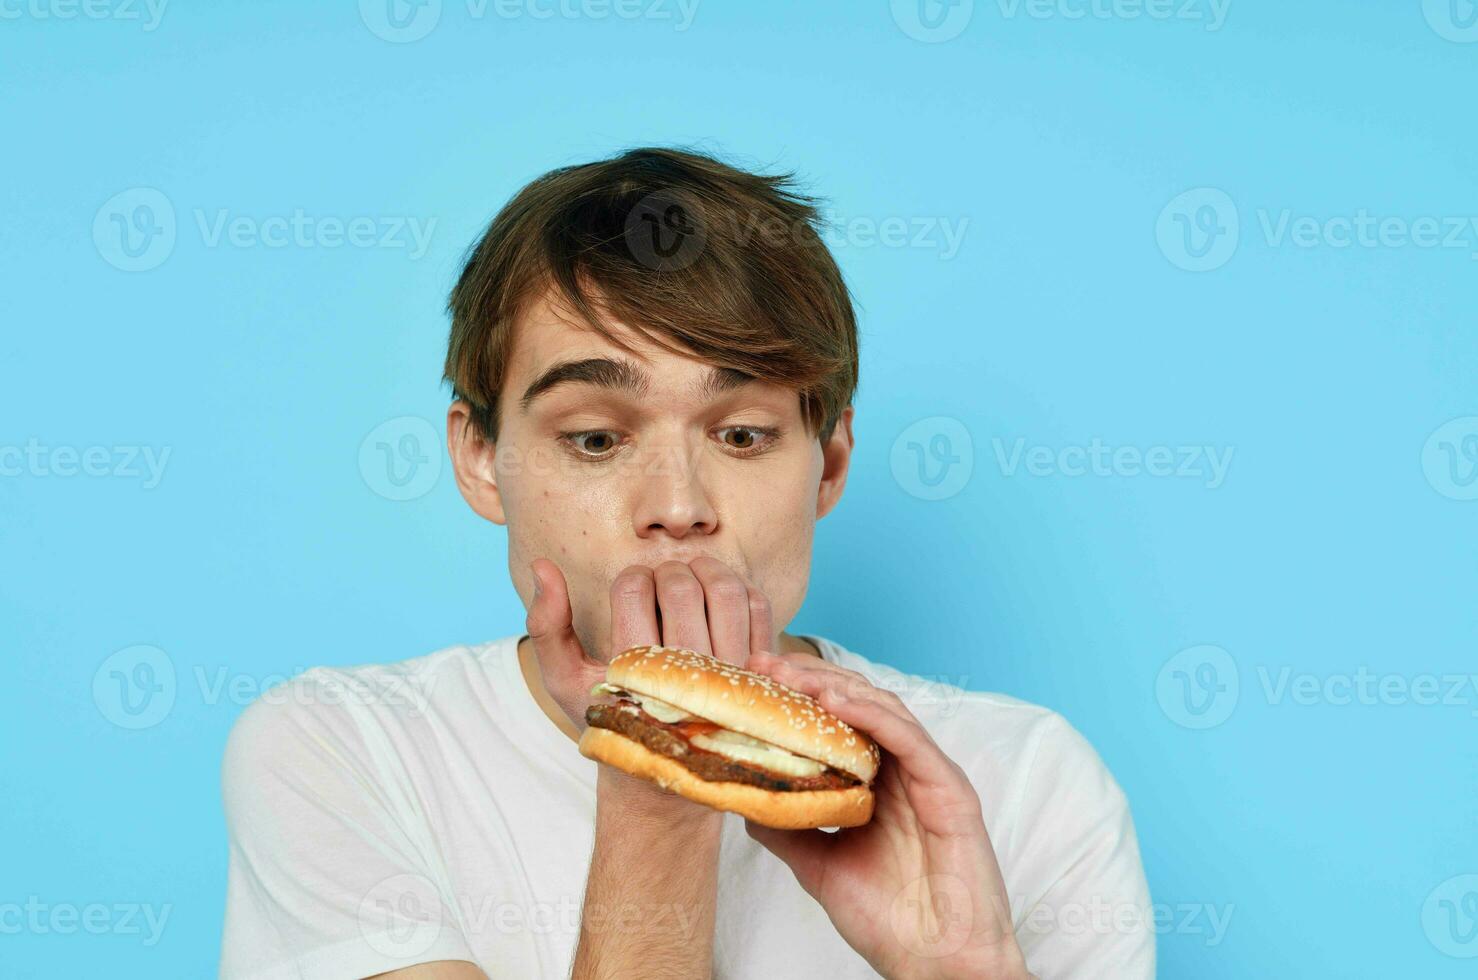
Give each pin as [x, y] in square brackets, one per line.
[325, 876]
[1085, 910]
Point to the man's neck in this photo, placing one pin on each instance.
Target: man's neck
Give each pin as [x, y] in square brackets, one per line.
[534, 677]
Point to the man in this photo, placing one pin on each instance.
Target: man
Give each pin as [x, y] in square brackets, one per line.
[653, 359]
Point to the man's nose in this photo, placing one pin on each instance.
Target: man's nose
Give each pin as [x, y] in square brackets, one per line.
[671, 497]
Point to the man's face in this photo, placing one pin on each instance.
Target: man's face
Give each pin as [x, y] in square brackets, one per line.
[607, 458]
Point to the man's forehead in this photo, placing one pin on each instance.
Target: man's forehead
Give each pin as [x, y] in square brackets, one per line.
[552, 347]
[550, 331]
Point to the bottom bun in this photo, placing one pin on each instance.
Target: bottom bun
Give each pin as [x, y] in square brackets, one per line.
[795, 810]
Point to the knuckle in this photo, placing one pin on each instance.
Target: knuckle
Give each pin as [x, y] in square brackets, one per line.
[728, 591]
[682, 590]
[630, 588]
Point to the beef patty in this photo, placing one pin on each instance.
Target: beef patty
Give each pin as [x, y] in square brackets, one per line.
[666, 740]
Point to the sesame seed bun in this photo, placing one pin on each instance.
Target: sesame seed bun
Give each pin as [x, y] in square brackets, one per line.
[747, 702]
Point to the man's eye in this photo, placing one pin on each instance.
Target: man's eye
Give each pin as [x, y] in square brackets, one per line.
[597, 443]
[747, 438]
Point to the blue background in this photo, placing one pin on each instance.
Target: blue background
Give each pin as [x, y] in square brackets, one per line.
[1323, 829]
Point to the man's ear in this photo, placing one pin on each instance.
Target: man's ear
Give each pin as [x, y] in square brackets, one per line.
[472, 461]
[836, 457]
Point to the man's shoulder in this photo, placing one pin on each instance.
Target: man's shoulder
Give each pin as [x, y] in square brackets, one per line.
[986, 732]
[340, 704]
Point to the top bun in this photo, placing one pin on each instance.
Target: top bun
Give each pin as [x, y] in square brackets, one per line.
[746, 702]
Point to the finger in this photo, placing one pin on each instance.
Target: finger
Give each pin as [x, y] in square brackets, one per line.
[633, 610]
[680, 597]
[796, 670]
[761, 622]
[550, 625]
[726, 607]
[806, 852]
[897, 732]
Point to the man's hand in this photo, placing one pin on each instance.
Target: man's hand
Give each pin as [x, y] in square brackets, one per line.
[654, 850]
[704, 605]
[917, 891]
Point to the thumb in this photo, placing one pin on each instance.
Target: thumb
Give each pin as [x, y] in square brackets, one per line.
[550, 625]
[805, 851]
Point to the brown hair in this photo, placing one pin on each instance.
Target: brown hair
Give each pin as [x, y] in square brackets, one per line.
[698, 257]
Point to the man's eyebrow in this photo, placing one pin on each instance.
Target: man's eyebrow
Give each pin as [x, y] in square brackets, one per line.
[603, 372]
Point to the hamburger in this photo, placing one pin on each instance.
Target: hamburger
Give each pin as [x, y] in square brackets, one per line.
[731, 739]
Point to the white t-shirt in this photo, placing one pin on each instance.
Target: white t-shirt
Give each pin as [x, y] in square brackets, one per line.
[386, 815]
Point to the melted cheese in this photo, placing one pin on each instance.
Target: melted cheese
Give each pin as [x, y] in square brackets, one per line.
[722, 741]
[660, 710]
[742, 748]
